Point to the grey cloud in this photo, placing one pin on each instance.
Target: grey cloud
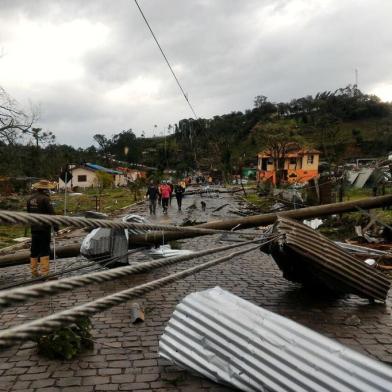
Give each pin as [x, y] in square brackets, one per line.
[224, 56]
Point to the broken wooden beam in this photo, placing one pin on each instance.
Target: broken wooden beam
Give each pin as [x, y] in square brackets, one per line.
[270, 218]
[228, 224]
[23, 257]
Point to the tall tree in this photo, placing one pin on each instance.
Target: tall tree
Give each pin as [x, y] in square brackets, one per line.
[14, 121]
[277, 139]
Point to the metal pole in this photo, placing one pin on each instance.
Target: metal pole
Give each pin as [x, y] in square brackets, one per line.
[240, 223]
[54, 252]
[65, 190]
[270, 218]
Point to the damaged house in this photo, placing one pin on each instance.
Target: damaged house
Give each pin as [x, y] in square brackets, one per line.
[298, 165]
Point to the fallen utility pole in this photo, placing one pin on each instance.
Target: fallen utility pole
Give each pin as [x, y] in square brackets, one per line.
[270, 218]
[23, 257]
[228, 224]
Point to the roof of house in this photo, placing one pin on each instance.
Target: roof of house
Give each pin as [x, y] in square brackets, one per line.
[95, 167]
[291, 153]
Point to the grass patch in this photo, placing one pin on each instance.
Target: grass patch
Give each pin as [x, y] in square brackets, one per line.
[112, 201]
[262, 202]
[9, 233]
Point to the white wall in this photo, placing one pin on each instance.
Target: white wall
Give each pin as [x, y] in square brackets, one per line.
[91, 179]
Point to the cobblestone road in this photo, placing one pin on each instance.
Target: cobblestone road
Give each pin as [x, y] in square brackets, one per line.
[125, 356]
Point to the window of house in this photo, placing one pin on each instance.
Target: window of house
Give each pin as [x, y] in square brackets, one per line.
[82, 178]
[270, 161]
[310, 159]
[293, 161]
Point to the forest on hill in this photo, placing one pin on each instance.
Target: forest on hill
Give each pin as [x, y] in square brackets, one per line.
[342, 124]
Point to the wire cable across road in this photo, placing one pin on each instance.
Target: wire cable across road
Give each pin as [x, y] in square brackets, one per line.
[30, 330]
[25, 219]
[24, 294]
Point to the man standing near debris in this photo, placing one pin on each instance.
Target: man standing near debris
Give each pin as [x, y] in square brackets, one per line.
[39, 203]
[152, 193]
[179, 191]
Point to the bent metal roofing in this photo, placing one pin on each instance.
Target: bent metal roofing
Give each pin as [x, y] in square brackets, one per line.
[94, 166]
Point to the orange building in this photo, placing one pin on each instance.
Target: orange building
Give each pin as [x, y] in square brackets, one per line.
[298, 165]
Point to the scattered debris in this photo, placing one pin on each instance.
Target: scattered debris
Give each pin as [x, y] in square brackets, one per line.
[133, 218]
[137, 313]
[22, 239]
[234, 342]
[167, 251]
[306, 256]
[278, 207]
[189, 222]
[192, 207]
[220, 207]
[313, 223]
[290, 195]
[353, 320]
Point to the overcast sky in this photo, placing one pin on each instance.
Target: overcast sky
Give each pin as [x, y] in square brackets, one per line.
[93, 67]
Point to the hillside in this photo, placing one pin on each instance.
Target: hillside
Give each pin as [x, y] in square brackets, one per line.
[343, 125]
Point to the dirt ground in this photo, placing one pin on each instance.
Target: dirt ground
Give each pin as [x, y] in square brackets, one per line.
[125, 356]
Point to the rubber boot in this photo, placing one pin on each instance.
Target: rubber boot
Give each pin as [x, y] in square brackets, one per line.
[44, 264]
[34, 267]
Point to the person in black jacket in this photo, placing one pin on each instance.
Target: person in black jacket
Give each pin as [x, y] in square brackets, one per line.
[152, 193]
[39, 203]
[179, 191]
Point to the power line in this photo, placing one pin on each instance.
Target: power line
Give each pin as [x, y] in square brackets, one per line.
[167, 61]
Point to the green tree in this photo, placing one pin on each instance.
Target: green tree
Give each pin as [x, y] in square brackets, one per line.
[277, 139]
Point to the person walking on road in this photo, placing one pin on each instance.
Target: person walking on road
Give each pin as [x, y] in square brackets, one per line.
[152, 193]
[171, 186]
[179, 191]
[165, 192]
[39, 203]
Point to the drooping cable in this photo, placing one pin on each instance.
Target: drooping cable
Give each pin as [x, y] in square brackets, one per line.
[167, 61]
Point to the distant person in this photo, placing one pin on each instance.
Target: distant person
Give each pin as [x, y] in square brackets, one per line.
[203, 205]
[179, 192]
[165, 192]
[171, 190]
[39, 203]
[152, 194]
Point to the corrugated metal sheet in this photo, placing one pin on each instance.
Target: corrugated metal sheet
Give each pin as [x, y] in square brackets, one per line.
[231, 341]
[363, 176]
[308, 257]
[94, 166]
[352, 176]
[357, 249]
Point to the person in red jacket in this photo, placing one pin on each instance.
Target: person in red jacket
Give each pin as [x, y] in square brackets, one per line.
[165, 192]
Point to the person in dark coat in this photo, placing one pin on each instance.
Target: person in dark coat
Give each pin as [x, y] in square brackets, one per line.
[171, 186]
[179, 192]
[152, 193]
[39, 203]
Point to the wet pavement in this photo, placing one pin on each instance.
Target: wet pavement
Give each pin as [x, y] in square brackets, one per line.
[125, 356]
